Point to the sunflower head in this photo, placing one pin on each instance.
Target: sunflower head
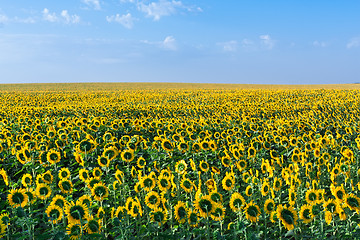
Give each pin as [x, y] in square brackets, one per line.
[288, 216]
[17, 198]
[181, 212]
[252, 212]
[204, 205]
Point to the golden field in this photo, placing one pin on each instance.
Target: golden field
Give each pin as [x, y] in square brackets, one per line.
[179, 161]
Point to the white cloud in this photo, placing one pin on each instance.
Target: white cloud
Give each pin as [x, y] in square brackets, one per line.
[156, 10]
[266, 41]
[3, 19]
[353, 43]
[320, 44]
[64, 17]
[93, 3]
[230, 46]
[169, 43]
[68, 18]
[125, 20]
[50, 17]
[24, 20]
[248, 44]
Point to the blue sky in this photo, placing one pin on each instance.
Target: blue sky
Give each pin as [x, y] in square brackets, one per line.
[252, 41]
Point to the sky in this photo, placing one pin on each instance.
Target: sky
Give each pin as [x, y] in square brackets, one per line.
[205, 41]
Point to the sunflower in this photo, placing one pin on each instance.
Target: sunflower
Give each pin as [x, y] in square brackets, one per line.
[159, 215]
[204, 166]
[119, 213]
[328, 217]
[147, 183]
[306, 213]
[338, 192]
[4, 176]
[4, 218]
[241, 165]
[47, 177]
[86, 146]
[103, 161]
[193, 218]
[136, 208]
[180, 167]
[180, 212]
[226, 161]
[65, 185]
[116, 185]
[79, 158]
[330, 205]
[164, 183]
[141, 162]
[93, 226]
[99, 191]
[269, 206]
[287, 215]
[277, 184]
[236, 202]
[17, 198]
[186, 184]
[64, 173]
[26, 179]
[228, 182]
[251, 152]
[86, 199]
[74, 230]
[84, 175]
[204, 205]
[353, 202]
[152, 199]
[97, 173]
[76, 212]
[249, 190]
[311, 196]
[252, 211]
[196, 147]
[110, 153]
[54, 213]
[22, 157]
[127, 155]
[292, 196]
[60, 201]
[53, 156]
[265, 188]
[184, 147]
[119, 175]
[215, 196]
[166, 145]
[43, 191]
[100, 213]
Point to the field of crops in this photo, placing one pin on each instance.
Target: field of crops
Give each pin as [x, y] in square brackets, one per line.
[179, 162]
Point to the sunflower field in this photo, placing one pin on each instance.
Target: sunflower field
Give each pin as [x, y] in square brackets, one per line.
[180, 164]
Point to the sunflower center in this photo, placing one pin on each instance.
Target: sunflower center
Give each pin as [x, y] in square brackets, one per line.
[18, 198]
[54, 214]
[252, 211]
[352, 202]
[306, 214]
[205, 205]
[93, 226]
[77, 212]
[66, 185]
[181, 212]
[287, 216]
[44, 191]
